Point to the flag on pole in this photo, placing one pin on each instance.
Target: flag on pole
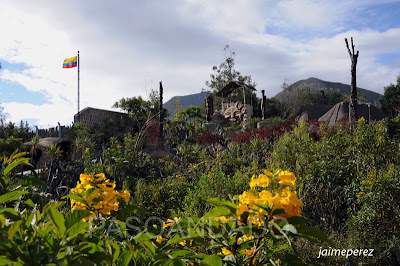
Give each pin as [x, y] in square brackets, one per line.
[70, 62]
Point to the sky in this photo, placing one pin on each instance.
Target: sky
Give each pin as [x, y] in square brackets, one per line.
[127, 47]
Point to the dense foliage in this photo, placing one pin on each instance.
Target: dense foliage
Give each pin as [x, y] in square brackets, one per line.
[120, 203]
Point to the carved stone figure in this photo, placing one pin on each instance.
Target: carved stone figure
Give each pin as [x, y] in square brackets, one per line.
[236, 112]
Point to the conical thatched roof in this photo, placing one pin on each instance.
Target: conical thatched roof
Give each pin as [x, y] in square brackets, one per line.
[311, 112]
[340, 112]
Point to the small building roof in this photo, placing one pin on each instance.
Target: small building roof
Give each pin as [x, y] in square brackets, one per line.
[311, 112]
[233, 85]
[340, 112]
[47, 142]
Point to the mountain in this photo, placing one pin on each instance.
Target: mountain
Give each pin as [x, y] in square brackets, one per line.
[197, 99]
[318, 84]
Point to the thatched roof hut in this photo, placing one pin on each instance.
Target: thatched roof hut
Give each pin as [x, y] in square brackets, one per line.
[311, 112]
[340, 112]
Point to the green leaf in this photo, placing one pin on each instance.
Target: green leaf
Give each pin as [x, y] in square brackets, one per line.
[144, 235]
[10, 196]
[174, 240]
[126, 212]
[217, 211]
[14, 164]
[13, 229]
[30, 203]
[149, 246]
[90, 192]
[278, 211]
[115, 251]
[274, 250]
[77, 228]
[76, 197]
[295, 220]
[2, 221]
[30, 180]
[52, 204]
[10, 213]
[58, 220]
[314, 232]
[212, 260]
[265, 207]
[4, 261]
[87, 248]
[96, 200]
[184, 254]
[75, 216]
[29, 219]
[125, 258]
[222, 202]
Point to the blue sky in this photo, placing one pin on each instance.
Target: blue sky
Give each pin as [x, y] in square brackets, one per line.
[127, 47]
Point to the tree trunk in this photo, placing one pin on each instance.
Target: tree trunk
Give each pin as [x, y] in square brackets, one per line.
[353, 93]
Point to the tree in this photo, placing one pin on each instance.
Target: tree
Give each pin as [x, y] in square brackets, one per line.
[225, 73]
[390, 100]
[353, 93]
[136, 107]
[293, 99]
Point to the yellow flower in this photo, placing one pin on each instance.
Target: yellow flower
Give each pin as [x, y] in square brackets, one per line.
[362, 119]
[359, 194]
[241, 209]
[263, 181]
[101, 177]
[87, 150]
[288, 201]
[125, 195]
[221, 218]
[247, 198]
[268, 173]
[226, 251]
[244, 238]
[248, 251]
[253, 182]
[160, 239]
[171, 222]
[287, 178]
[183, 243]
[256, 221]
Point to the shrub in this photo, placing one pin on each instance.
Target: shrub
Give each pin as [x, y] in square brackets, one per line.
[163, 197]
[376, 223]
[210, 138]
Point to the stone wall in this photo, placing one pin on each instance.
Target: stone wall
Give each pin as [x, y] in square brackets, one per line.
[92, 118]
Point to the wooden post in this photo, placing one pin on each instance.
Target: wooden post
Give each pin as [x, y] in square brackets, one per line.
[263, 105]
[161, 133]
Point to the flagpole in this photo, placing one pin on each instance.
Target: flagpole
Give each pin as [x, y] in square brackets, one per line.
[79, 115]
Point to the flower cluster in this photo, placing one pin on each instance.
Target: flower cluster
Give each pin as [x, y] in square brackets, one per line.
[284, 198]
[98, 195]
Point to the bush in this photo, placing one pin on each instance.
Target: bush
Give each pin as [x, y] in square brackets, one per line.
[163, 197]
[7, 146]
[376, 224]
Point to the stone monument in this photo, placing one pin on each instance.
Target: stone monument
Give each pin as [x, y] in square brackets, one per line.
[161, 150]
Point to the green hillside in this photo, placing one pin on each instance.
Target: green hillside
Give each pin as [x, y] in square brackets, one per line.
[318, 84]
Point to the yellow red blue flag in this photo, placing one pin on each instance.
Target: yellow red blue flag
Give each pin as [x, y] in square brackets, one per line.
[70, 62]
